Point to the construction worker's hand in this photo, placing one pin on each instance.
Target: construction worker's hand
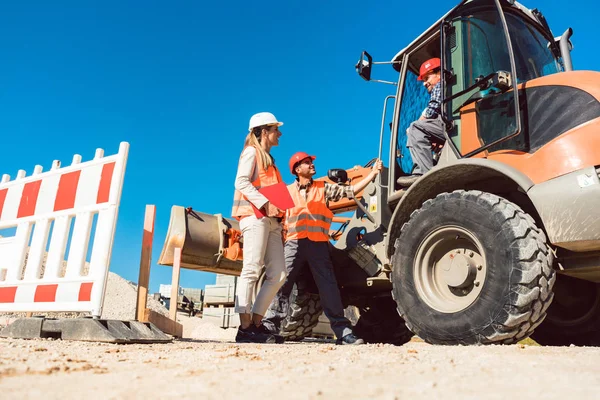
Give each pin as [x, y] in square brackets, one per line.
[377, 166]
[272, 210]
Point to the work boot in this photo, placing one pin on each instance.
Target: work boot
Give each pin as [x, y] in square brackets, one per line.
[406, 181]
[243, 335]
[350, 338]
[263, 329]
[252, 335]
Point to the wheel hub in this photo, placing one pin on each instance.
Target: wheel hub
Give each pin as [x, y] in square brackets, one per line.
[449, 269]
[458, 270]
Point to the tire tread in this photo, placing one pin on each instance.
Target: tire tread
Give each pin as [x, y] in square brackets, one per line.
[531, 289]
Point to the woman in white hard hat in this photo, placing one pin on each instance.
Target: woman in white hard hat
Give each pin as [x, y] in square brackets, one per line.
[262, 236]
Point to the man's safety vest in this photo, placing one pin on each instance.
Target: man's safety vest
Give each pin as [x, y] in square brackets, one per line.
[311, 218]
[241, 206]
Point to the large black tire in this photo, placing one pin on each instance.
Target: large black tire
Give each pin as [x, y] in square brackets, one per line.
[472, 268]
[574, 316]
[303, 316]
[380, 323]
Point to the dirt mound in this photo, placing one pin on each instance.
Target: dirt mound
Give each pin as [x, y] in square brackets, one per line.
[121, 298]
[198, 328]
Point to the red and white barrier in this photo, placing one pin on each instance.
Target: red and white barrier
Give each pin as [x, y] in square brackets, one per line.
[42, 207]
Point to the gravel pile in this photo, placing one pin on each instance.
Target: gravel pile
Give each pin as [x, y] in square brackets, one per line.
[121, 297]
[198, 328]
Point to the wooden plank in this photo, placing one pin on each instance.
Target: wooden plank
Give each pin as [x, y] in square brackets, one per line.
[145, 259]
[175, 284]
[163, 323]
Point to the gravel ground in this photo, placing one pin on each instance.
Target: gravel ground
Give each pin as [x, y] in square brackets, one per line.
[49, 369]
[210, 365]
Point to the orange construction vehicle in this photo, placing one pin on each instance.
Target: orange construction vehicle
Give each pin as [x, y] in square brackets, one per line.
[501, 239]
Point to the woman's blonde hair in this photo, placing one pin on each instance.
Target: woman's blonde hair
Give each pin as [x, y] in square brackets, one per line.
[253, 139]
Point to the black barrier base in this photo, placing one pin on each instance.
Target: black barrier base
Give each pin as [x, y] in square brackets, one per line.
[85, 329]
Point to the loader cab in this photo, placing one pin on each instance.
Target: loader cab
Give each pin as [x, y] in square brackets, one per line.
[413, 98]
[487, 48]
[486, 65]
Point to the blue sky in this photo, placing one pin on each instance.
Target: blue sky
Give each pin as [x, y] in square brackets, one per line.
[179, 80]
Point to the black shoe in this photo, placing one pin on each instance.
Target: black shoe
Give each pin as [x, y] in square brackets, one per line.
[252, 334]
[263, 329]
[244, 335]
[406, 181]
[350, 338]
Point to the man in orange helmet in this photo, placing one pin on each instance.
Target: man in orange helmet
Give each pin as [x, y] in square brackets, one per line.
[307, 244]
[428, 127]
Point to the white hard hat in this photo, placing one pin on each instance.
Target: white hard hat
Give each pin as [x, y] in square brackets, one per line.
[263, 118]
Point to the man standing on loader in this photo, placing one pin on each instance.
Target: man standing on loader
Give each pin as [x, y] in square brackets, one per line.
[428, 127]
[307, 243]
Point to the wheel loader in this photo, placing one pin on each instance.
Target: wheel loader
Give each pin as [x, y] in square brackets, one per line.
[501, 239]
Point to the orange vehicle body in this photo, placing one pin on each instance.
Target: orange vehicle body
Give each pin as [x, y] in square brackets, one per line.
[571, 151]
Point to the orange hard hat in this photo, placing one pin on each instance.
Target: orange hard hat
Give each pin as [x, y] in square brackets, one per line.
[428, 66]
[296, 158]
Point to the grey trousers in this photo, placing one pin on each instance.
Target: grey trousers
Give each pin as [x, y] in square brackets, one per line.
[300, 254]
[420, 134]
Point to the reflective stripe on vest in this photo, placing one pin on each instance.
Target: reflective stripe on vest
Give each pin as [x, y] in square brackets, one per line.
[241, 203]
[310, 218]
[241, 206]
[304, 228]
[292, 219]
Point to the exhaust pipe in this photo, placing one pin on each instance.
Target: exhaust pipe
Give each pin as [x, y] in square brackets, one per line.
[565, 49]
[201, 238]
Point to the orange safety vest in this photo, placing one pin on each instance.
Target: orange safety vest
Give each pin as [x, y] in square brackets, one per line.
[241, 206]
[311, 218]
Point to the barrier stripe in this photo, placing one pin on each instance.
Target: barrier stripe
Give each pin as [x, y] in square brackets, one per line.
[2, 198]
[45, 293]
[11, 204]
[67, 190]
[104, 188]
[89, 182]
[7, 294]
[25, 293]
[29, 199]
[47, 196]
[85, 291]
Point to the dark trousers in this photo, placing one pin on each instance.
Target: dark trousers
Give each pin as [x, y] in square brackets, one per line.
[300, 254]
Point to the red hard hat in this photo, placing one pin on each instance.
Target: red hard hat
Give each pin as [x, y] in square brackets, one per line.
[427, 66]
[296, 158]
